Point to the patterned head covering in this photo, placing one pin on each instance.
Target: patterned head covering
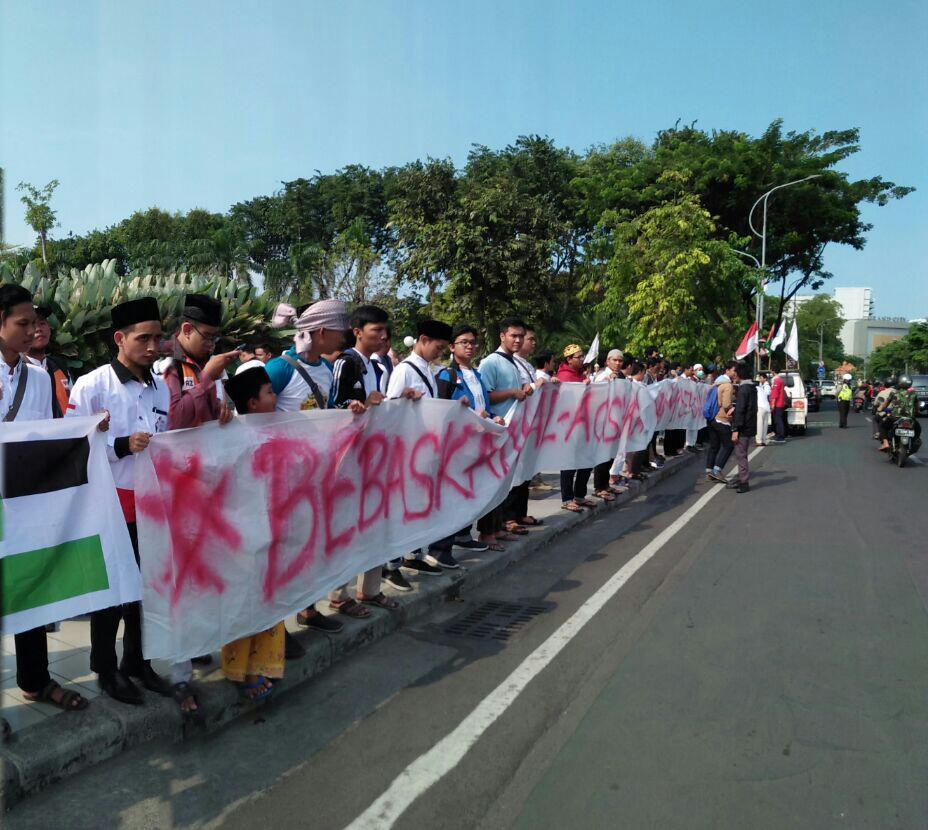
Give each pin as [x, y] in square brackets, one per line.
[571, 350]
[322, 314]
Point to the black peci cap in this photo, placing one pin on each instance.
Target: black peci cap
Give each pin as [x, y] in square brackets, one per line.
[203, 309]
[142, 310]
[246, 385]
[434, 329]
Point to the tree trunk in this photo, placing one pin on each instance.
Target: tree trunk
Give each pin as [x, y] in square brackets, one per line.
[45, 254]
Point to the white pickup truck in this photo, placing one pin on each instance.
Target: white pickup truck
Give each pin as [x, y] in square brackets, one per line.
[798, 405]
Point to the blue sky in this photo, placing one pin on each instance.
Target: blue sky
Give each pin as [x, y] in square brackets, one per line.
[202, 104]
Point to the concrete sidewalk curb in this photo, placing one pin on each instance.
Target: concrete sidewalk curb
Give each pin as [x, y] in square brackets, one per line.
[62, 745]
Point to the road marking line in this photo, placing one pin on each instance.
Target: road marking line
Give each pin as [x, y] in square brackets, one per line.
[429, 768]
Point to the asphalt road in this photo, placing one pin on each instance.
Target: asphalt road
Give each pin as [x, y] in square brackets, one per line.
[747, 661]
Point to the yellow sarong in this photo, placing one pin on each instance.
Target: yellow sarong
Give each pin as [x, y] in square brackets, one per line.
[259, 654]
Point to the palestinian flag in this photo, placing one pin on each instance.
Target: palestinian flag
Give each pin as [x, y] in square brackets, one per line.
[65, 548]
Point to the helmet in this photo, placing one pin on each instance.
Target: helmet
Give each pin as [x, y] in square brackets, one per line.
[903, 382]
[891, 380]
[846, 376]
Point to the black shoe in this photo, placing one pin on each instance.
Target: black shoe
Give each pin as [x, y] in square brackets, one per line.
[421, 567]
[202, 660]
[743, 488]
[470, 544]
[292, 648]
[443, 560]
[149, 678]
[320, 622]
[396, 579]
[121, 688]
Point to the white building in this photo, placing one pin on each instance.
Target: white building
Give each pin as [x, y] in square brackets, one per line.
[857, 303]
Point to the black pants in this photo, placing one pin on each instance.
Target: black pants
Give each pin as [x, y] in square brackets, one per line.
[601, 476]
[720, 446]
[492, 522]
[442, 545]
[843, 408]
[32, 660]
[104, 625]
[573, 483]
[778, 415]
[516, 505]
[674, 441]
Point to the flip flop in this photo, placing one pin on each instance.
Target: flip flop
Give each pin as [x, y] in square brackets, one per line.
[531, 521]
[350, 608]
[381, 601]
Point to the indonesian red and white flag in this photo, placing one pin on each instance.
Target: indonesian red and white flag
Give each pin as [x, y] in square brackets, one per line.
[749, 344]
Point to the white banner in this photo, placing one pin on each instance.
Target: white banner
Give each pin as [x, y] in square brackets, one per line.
[242, 525]
[65, 549]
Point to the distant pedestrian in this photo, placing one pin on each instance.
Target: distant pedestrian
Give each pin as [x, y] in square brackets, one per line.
[763, 410]
[744, 422]
[720, 443]
[778, 409]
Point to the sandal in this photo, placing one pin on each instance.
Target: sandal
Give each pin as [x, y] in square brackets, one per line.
[69, 700]
[381, 601]
[531, 521]
[494, 546]
[605, 495]
[350, 608]
[182, 692]
[572, 506]
[584, 502]
[256, 692]
[515, 527]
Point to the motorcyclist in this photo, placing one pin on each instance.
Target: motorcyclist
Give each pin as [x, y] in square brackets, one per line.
[905, 405]
[882, 401]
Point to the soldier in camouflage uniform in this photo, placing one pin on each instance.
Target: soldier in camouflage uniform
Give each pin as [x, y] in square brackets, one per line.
[904, 404]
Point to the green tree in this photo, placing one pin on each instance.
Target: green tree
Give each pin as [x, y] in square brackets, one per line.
[730, 169]
[678, 284]
[907, 353]
[39, 213]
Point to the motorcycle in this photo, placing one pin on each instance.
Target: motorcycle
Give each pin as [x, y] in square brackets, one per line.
[903, 441]
[858, 404]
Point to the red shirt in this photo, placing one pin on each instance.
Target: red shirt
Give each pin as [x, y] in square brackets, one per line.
[778, 393]
[566, 374]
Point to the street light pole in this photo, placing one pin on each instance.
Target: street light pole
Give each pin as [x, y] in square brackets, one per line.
[820, 328]
[760, 292]
[763, 244]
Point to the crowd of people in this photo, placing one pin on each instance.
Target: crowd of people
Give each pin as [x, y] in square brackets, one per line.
[345, 360]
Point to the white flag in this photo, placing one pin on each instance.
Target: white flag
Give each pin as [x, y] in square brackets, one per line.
[792, 345]
[779, 337]
[593, 353]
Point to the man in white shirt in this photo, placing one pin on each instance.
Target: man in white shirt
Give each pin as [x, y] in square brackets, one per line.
[26, 395]
[612, 369]
[137, 402]
[413, 378]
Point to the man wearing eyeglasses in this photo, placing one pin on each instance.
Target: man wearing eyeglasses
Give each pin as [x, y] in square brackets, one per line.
[192, 374]
[192, 371]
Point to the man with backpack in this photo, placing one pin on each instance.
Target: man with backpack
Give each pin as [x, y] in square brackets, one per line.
[718, 411]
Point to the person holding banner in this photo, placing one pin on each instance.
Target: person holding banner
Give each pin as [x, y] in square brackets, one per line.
[192, 374]
[254, 662]
[303, 381]
[26, 394]
[412, 379]
[503, 380]
[461, 381]
[574, 482]
[137, 402]
[357, 380]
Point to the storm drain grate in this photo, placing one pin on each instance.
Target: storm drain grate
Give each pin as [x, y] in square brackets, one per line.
[495, 620]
